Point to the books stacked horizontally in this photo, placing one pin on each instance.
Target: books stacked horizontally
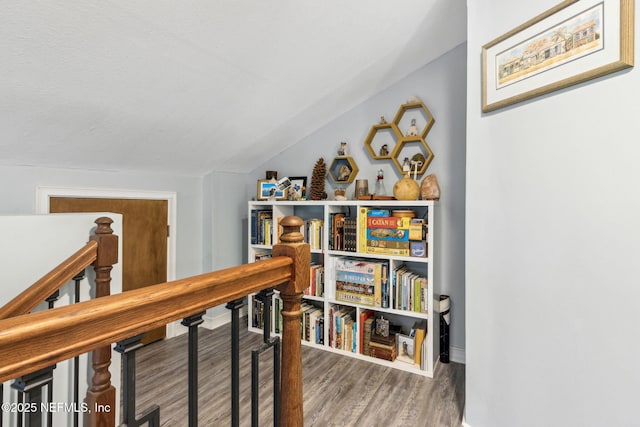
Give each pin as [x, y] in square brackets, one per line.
[391, 232]
[362, 281]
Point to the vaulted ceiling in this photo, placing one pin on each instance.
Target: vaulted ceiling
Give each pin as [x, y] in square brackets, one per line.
[189, 87]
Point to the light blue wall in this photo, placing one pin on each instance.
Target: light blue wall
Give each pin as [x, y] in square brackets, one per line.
[441, 85]
[553, 245]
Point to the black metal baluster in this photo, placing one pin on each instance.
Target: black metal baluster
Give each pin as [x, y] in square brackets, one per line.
[30, 394]
[192, 323]
[76, 360]
[51, 300]
[128, 349]
[235, 306]
[265, 296]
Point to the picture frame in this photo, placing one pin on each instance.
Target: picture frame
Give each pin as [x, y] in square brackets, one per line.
[404, 348]
[298, 188]
[571, 43]
[265, 189]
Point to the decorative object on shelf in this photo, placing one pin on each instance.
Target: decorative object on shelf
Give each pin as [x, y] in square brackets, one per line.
[342, 151]
[298, 188]
[343, 170]
[268, 190]
[340, 194]
[406, 165]
[413, 129]
[413, 148]
[362, 188]
[317, 180]
[272, 175]
[382, 326]
[406, 188]
[570, 43]
[380, 190]
[381, 139]
[429, 188]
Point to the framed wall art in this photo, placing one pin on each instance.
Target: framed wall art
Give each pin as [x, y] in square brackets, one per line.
[568, 44]
[268, 189]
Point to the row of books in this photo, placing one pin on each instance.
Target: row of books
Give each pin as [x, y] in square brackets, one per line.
[261, 228]
[343, 232]
[316, 277]
[343, 329]
[258, 313]
[312, 323]
[408, 290]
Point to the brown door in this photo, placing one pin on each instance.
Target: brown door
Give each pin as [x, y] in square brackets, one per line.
[144, 240]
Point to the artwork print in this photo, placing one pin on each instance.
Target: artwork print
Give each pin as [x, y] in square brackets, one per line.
[572, 39]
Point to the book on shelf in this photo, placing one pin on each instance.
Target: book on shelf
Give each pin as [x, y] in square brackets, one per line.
[366, 338]
[341, 319]
[408, 290]
[260, 255]
[364, 316]
[314, 228]
[336, 232]
[316, 279]
[419, 333]
[258, 217]
[350, 234]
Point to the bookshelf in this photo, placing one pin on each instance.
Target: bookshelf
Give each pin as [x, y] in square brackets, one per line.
[408, 298]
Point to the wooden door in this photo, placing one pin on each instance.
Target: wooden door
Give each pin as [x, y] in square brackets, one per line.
[144, 240]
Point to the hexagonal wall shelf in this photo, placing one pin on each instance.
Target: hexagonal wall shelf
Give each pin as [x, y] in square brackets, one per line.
[414, 111]
[408, 147]
[382, 140]
[343, 170]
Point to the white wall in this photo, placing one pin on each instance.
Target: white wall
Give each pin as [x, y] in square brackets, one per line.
[33, 245]
[441, 86]
[552, 247]
[18, 195]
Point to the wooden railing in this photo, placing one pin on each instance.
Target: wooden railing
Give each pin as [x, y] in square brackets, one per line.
[34, 341]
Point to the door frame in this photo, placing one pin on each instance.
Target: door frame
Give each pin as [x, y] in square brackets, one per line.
[44, 193]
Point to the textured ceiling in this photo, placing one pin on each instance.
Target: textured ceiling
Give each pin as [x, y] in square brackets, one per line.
[196, 86]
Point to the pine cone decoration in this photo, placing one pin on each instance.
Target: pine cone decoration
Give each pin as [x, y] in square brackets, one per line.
[317, 181]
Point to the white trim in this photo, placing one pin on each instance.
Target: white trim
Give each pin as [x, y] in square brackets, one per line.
[44, 193]
[213, 322]
[457, 354]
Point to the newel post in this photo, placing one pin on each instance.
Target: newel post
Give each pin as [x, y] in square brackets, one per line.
[291, 413]
[101, 396]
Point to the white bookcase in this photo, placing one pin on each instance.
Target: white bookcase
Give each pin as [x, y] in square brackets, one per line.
[323, 255]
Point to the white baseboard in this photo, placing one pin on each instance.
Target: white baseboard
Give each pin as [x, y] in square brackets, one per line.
[210, 322]
[457, 354]
[213, 322]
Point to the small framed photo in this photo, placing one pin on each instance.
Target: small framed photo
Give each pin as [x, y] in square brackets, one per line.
[404, 348]
[298, 189]
[268, 189]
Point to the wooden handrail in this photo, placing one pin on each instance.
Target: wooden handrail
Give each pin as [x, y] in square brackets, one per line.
[35, 294]
[34, 341]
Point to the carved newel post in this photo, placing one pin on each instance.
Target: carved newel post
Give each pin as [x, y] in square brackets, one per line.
[101, 396]
[291, 413]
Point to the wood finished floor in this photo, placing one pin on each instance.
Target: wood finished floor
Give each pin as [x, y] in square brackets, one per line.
[338, 390]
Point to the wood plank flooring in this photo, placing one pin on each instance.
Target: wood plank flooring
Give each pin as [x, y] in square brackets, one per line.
[338, 390]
